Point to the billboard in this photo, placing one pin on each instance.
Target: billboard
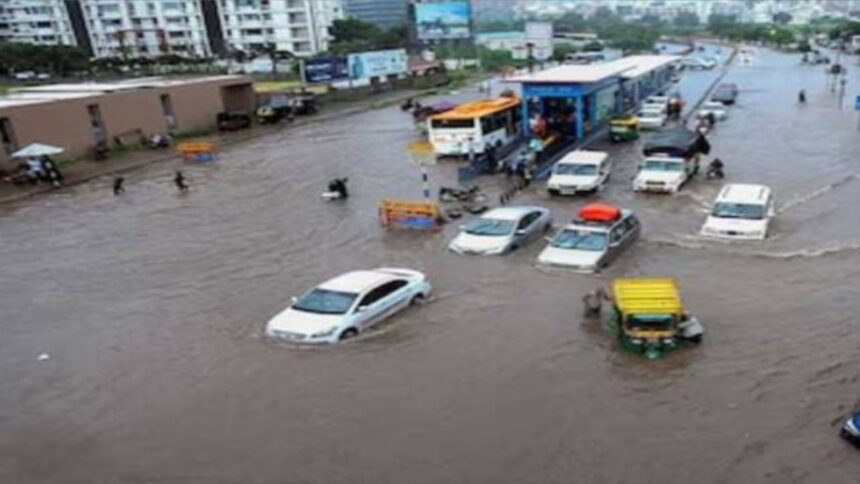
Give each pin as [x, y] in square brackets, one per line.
[365, 65]
[539, 34]
[445, 20]
[326, 69]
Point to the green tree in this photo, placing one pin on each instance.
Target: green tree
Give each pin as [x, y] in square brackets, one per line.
[782, 18]
[571, 22]
[686, 20]
[495, 59]
[560, 52]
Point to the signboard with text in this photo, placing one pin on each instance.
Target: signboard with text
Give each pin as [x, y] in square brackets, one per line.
[380, 63]
[326, 69]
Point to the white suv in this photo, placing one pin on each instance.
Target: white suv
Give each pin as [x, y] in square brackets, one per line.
[579, 171]
[741, 212]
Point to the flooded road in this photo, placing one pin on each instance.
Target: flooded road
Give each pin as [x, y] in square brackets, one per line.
[152, 306]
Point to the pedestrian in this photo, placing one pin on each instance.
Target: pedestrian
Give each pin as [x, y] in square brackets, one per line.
[801, 96]
[593, 302]
[492, 162]
[179, 180]
[117, 185]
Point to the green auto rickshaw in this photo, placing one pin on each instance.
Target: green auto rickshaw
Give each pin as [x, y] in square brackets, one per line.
[623, 128]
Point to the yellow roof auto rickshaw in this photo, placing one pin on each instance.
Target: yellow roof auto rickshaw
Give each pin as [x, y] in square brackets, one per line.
[623, 128]
[650, 316]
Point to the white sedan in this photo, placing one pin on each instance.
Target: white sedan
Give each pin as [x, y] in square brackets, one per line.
[342, 307]
[718, 109]
[651, 119]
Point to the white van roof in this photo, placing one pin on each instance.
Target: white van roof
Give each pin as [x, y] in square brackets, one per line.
[744, 193]
[584, 157]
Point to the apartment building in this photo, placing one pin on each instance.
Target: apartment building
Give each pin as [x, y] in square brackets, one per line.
[145, 28]
[382, 13]
[151, 28]
[44, 22]
[296, 26]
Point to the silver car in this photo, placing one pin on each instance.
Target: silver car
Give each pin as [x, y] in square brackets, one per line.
[588, 246]
[502, 230]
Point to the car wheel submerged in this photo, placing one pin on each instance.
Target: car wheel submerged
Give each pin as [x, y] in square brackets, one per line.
[348, 334]
[417, 300]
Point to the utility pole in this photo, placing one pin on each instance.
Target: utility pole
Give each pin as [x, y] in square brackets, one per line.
[531, 48]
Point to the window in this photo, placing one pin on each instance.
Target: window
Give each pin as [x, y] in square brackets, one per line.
[529, 219]
[617, 233]
[252, 32]
[382, 292]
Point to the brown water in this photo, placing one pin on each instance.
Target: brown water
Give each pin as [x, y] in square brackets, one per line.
[152, 307]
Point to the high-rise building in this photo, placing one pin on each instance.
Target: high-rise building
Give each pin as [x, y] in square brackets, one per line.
[300, 27]
[43, 22]
[382, 13]
[145, 28]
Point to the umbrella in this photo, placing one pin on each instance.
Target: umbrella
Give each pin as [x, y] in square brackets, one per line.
[36, 150]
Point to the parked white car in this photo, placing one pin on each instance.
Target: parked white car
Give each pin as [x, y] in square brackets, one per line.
[579, 171]
[651, 118]
[741, 211]
[718, 109]
[697, 63]
[664, 174]
[342, 307]
[502, 230]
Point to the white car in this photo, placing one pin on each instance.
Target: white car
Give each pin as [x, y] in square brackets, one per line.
[664, 174]
[502, 230]
[579, 171]
[651, 119]
[342, 307]
[718, 109]
[741, 211]
[657, 100]
[697, 63]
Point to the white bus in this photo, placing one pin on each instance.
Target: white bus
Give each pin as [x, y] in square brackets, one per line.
[479, 124]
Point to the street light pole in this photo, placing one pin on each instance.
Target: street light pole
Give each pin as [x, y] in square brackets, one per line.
[530, 46]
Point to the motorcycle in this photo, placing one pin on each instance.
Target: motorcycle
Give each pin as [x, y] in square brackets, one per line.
[715, 171]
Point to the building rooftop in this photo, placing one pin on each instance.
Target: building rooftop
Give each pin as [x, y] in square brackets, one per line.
[62, 92]
[629, 67]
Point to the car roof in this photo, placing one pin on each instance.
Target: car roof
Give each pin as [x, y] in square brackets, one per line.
[511, 213]
[743, 192]
[585, 157]
[357, 281]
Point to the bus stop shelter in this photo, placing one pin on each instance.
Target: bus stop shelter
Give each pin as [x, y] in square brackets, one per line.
[576, 100]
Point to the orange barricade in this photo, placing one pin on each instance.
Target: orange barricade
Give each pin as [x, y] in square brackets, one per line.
[197, 151]
[410, 214]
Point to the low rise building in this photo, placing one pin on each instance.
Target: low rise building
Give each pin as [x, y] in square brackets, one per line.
[79, 116]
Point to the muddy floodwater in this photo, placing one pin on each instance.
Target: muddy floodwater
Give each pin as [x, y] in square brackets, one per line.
[151, 307]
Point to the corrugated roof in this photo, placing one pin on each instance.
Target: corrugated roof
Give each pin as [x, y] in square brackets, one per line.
[628, 67]
[60, 92]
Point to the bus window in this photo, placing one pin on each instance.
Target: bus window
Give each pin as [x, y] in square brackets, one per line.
[453, 123]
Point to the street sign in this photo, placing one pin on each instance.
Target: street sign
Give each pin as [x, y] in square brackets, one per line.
[857, 104]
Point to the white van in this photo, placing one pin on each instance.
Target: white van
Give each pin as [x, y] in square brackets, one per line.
[741, 212]
[579, 171]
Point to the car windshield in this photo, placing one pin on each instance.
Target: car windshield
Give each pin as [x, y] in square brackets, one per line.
[322, 301]
[575, 169]
[654, 322]
[579, 239]
[659, 165]
[491, 227]
[739, 210]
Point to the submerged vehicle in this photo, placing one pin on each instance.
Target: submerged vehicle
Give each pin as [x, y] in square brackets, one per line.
[233, 121]
[671, 159]
[850, 430]
[650, 316]
[276, 109]
[579, 171]
[623, 128]
[741, 212]
[502, 230]
[598, 235]
[342, 307]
